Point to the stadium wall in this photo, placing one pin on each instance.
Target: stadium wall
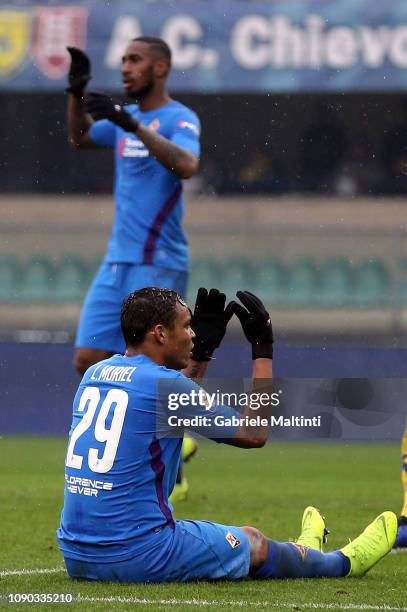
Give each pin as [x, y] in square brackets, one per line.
[333, 266]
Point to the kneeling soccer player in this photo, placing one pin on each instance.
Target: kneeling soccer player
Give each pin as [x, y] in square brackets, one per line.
[117, 522]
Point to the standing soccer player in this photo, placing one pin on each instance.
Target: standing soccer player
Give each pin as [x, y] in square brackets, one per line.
[156, 145]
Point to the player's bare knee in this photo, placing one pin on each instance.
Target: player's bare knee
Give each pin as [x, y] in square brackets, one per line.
[258, 545]
[81, 362]
[84, 358]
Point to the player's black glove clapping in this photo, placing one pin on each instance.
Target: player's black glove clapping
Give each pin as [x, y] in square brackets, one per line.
[209, 322]
[79, 71]
[256, 324]
[101, 106]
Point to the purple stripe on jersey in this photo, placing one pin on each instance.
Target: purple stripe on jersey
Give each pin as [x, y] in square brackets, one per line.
[159, 469]
[155, 229]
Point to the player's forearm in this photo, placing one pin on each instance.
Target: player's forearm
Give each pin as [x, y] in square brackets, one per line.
[195, 370]
[180, 161]
[78, 121]
[256, 435]
[262, 369]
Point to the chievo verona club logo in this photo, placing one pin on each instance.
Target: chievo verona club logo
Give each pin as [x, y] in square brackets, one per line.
[56, 28]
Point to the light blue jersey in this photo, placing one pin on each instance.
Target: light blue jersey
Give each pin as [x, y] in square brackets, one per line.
[147, 226]
[120, 466]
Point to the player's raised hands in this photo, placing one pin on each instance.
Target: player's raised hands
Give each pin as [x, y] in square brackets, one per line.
[209, 322]
[79, 71]
[101, 106]
[256, 323]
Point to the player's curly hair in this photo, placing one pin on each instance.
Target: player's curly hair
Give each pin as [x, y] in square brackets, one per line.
[145, 308]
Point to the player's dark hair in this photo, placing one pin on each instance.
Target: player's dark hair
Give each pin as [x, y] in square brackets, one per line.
[160, 46]
[145, 308]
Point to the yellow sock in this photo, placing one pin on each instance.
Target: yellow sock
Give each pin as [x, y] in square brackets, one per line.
[404, 471]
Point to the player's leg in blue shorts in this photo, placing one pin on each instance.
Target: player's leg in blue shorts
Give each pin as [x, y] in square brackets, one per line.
[200, 550]
[99, 325]
[196, 550]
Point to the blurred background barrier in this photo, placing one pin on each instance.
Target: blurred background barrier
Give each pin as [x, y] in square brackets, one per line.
[336, 265]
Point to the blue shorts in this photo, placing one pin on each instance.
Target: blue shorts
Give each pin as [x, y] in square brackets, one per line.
[99, 325]
[196, 550]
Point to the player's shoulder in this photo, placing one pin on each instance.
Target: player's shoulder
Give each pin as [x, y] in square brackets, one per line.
[157, 380]
[177, 106]
[164, 372]
[184, 119]
[184, 384]
[180, 111]
[157, 371]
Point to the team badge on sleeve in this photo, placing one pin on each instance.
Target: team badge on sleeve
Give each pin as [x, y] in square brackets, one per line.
[190, 126]
[55, 29]
[233, 540]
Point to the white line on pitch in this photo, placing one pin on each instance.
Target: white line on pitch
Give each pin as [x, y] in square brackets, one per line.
[237, 604]
[203, 602]
[24, 572]
[398, 551]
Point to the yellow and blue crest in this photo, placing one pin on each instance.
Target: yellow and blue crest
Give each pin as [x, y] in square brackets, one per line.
[14, 40]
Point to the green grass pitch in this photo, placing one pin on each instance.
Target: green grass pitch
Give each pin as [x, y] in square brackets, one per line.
[267, 488]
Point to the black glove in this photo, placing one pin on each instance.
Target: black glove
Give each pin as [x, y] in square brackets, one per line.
[79, 72]
[256, 324]
[209, 322]
[101, 106]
